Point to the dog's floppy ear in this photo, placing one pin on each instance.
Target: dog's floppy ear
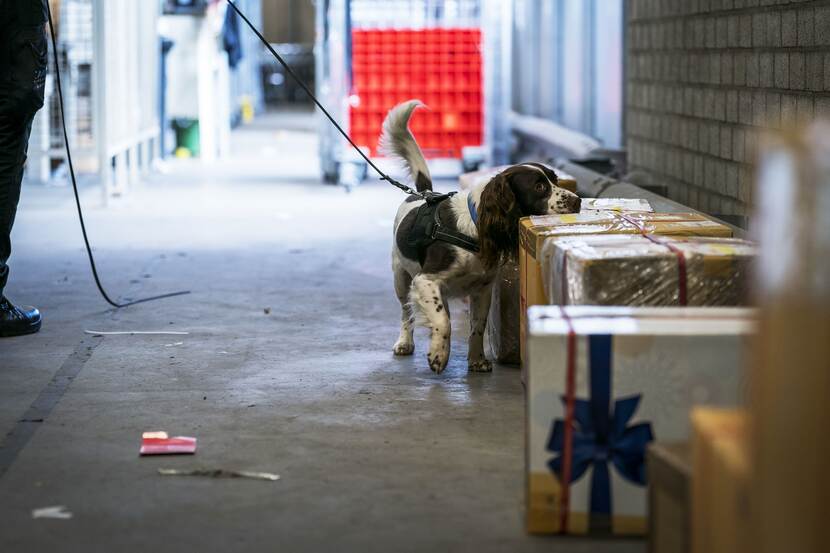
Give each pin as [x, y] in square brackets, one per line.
[498, 221]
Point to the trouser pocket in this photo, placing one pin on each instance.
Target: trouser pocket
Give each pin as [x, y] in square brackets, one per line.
[27, 57]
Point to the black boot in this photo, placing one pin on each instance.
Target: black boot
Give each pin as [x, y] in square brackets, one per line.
[15, 321]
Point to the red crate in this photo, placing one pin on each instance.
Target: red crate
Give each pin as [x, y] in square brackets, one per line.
[441, 67]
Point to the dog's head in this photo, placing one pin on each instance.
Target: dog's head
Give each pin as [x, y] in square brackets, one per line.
[516, 192]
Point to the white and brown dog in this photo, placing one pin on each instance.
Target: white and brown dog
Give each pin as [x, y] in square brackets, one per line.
[428, 271]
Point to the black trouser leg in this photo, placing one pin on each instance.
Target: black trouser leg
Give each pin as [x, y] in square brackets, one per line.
[14, 140]
[22, 71]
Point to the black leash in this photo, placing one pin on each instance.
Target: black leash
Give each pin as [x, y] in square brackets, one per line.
[75, 185]
[383, 176]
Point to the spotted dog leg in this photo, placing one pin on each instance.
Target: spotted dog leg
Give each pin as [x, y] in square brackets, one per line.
[479, 309]
[426, 294]
[405, 344]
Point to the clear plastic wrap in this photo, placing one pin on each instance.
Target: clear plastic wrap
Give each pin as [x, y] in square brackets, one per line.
[616, 204]
[634, 270]
[505, 313]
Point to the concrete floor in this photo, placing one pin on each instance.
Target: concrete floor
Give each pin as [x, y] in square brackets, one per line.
[375, 453]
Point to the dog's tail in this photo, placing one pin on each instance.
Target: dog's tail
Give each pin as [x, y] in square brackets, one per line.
[397, 142]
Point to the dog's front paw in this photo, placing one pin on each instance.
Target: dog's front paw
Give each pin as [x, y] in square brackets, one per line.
[438, 360]
[480, 366]
[403, 347]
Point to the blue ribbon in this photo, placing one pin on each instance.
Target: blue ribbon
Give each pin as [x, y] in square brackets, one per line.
[600, 435]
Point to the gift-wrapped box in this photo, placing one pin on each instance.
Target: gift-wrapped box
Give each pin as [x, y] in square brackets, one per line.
[468, 181]
[535, 231]
[720, 462]
[602, 383]
[637, 270]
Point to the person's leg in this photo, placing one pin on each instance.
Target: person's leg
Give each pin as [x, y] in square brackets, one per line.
[22, 77]
[14, 139]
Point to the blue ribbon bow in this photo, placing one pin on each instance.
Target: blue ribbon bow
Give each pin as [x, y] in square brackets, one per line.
[601, 436]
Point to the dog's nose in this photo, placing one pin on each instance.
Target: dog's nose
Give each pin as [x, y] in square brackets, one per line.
[576, 204]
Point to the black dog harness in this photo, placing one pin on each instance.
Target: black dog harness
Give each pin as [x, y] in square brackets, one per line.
[428, 227]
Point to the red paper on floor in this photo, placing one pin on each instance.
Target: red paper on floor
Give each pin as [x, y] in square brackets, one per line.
[159, 443]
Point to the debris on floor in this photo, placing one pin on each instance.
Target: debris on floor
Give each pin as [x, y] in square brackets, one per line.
[159, 443]
[57, 512]
[267, 310]
[137, 333]
[221, 473]
[174, 344]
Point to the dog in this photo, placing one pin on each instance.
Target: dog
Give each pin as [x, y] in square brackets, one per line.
[427, 274]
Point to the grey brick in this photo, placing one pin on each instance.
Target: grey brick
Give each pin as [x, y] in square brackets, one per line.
[721, 32]
[789, 28]
[720, 105]
[782, 70]
[822, 31]
[714, 139]
[740, 68]
[745, 183]
[726, 142]
[773, 29]
[711, 32]
[823, 108]
[727, 69]
[815, 71]
[751, 141]
[746, 31]
[827, 72]
[806, 26]
[759, 30]
[797, 62]
[698, 171]
[774, 109]
[732, 179]
[804, 110]
[766, 72]
[745, 107]
[753, 69]
[788, 109]
[715, 68]
[733, 31]
[732, 106]
[759, 108]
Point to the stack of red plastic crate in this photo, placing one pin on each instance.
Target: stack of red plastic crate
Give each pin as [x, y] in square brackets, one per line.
[441, 67]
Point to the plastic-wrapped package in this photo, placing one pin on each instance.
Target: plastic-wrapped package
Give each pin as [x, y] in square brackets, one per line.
[636, 270]
[503, 322]
[535, 231]
[616, 204]
[468, 181]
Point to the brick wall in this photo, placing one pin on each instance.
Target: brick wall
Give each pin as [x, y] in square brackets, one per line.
[706, 77]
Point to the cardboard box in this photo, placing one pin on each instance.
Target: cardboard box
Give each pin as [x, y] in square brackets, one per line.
[638, 270]
[721, 482]
[534, 231]
[631, 374]
[503, 321]
[669, 468]
[790, 373]
[468, 181]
